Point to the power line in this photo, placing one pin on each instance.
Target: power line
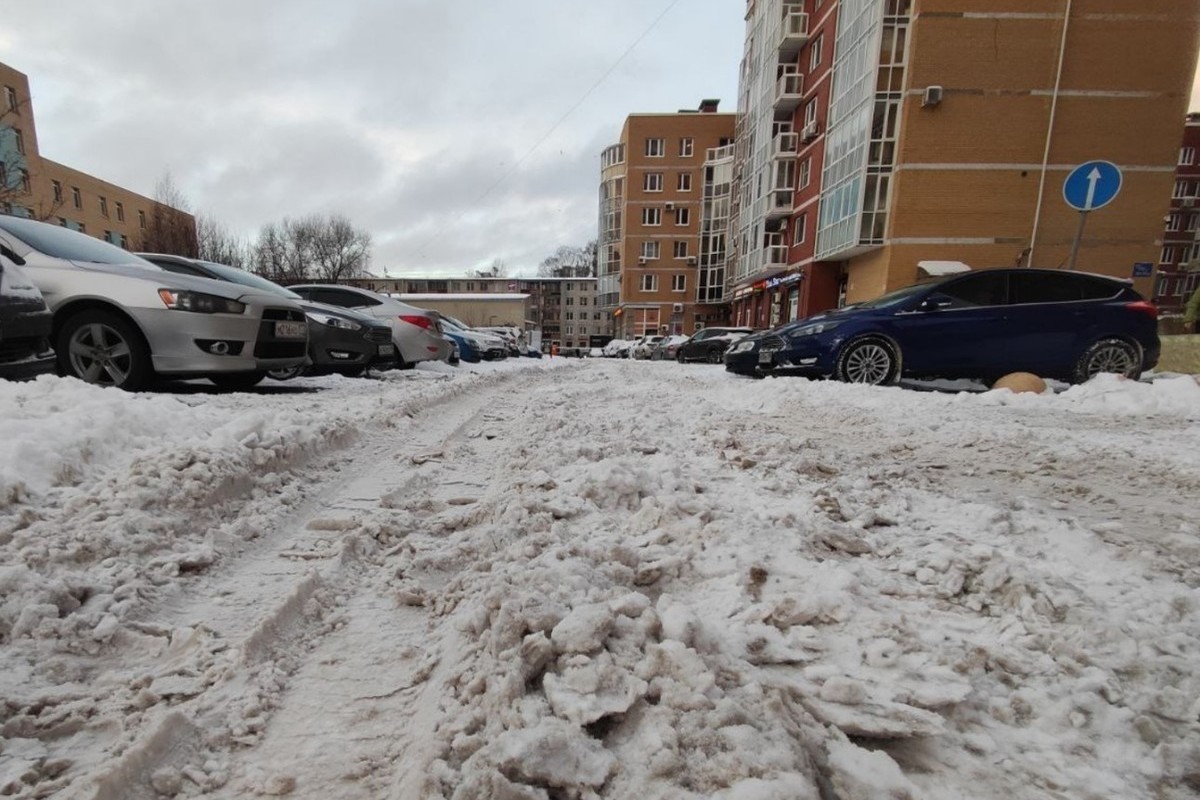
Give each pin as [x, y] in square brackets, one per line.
[583, 98]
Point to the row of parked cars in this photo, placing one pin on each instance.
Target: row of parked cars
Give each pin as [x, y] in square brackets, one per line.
[981, 324]
[97, 312]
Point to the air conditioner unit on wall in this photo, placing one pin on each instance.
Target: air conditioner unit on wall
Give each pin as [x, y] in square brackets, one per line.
[691, 260]
[643, 260]
[670, 206]
[677, 307]
[1187, 202]
[810, 131]
[932, 96]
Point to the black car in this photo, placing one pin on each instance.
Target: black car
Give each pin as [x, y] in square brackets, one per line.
[982, 324]
[709, 344]
[24, 323]
[340, 341]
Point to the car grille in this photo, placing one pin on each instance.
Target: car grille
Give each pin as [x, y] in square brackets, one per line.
[378, 335]
[283, 315]
[18, 349]
[771, 343]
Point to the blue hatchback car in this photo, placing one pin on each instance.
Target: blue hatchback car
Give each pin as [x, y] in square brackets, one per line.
[982, 324]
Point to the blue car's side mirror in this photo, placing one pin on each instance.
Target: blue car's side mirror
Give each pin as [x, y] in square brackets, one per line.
[935, 302]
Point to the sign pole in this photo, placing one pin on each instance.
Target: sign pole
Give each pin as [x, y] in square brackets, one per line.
[1078, 240]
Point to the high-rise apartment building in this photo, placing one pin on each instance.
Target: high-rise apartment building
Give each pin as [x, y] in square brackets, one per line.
[1178, 272]
[36, 187]
[654, 192]
[877, 134]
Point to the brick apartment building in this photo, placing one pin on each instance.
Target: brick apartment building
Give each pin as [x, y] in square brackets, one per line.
[32, 185]
[565, 310]
[652, 205]
[876, 134]
[1178, 272]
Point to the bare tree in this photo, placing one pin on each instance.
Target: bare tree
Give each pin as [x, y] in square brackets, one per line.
[570, 262]
[339, 250]
[497, 269]
[170, 229]
[216, 243]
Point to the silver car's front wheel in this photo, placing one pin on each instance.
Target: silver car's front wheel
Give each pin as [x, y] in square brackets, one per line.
[101, 348]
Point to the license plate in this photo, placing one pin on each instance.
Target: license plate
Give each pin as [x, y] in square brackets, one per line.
[291, 330]
[387, 350]
[765, 358]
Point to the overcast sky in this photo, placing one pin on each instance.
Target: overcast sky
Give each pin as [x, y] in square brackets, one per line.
[399, 114]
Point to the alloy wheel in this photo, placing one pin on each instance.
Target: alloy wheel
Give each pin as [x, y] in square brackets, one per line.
[868, 363]
[1115, 357]
[99, 354]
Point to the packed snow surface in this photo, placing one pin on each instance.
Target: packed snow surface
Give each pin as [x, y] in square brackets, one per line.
[600, 579]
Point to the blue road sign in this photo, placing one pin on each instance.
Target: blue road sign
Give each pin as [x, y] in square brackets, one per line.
[1143, 269]
[1092, 185]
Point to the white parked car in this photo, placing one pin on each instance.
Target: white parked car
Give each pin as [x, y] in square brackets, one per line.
[644, 346]
[120, 320]
[617, 348]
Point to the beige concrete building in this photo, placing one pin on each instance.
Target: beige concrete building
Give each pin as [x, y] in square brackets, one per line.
[944, 130]
[476, 309]
[32, 185]
[651, 207]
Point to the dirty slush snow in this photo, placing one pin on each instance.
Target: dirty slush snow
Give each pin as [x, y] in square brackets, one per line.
[600, 580]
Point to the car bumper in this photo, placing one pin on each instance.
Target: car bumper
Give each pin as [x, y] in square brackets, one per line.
[178, 342]
[336, 348]
[30, 366]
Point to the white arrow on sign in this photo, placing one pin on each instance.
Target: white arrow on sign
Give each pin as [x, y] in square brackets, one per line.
[1093, 178]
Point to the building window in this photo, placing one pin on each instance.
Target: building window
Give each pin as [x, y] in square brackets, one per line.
[570, 301]
[683, 216]
[1187, 155]
[62, 222]
[800, 229]
[25, 181]
[124, 241]
[1168, 255]
[583, 301]
[20, 141]
[141, 218]
[82, 228]
[651, 216]
[3, 175]
[10, 98]
[650, 250]
[681, 249]
[814, 53]
[679, 283]
[805, 177]
[649, 283]
[1174, 222]
[76, 197]
[810, 113]
[685, 181]
[687, 147]
[656, 148]
[104, 207]
[1193, 221]
[1181, 188]
[57, 187]
[570, 315]
[652, 182]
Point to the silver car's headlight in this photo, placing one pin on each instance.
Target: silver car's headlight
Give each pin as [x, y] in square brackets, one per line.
[199, 303]
[813, 330]
[334, 322]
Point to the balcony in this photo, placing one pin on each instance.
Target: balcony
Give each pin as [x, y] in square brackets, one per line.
[793, 35]
[775, 251]
[786, 145]
[789, 92]
[779, 205]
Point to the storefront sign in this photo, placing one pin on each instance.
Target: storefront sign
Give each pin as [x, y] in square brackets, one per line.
[784, 280]
[740, 293]
[759, 286]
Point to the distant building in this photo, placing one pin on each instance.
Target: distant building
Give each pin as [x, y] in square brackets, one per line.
[876, 134]
[565, 310]
[35, 187]
[1178, 271]
[651, 234]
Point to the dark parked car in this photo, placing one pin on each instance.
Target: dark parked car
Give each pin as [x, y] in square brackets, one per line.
[340, 341]
[25, 324]
[710, 344]
[983, 324]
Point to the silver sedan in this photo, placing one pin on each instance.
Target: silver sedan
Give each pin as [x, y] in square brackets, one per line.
[119, 320]
[416, 332]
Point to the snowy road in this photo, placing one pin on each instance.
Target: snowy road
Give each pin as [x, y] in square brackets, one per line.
[600, 579]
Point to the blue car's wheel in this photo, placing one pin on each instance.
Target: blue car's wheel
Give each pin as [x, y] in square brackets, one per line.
[1108, 355]
[871, 360]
